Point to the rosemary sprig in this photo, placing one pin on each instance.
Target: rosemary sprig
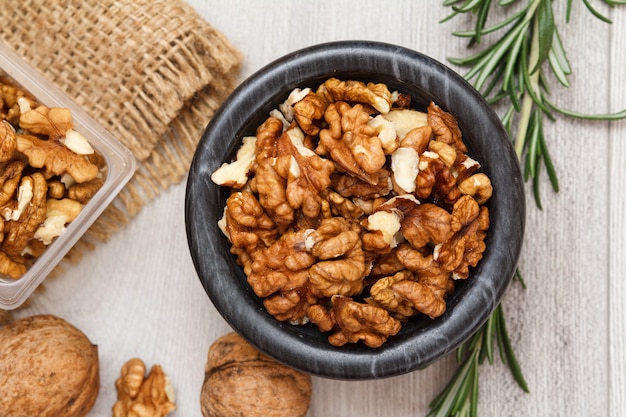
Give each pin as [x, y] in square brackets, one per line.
[510, 71]
[460, 396]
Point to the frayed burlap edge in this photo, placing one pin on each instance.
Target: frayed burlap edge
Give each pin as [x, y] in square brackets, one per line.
[187, 69]
[131, 64]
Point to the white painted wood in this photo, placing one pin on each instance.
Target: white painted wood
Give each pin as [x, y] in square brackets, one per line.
[617, 223]
[137, 295]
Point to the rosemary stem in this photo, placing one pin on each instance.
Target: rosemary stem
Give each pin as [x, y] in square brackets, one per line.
[527, 101]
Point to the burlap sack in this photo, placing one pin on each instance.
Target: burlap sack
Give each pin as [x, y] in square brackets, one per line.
[152, 72]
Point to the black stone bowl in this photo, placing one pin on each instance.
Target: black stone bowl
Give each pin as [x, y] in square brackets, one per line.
[422, 340]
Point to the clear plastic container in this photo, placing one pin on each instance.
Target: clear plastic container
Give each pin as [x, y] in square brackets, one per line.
[120, 167]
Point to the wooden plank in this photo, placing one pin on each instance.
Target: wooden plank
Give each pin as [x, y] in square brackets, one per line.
[568, 328]
[617, 221]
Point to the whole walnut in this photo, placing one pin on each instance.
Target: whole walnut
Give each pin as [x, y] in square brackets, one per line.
[241, 381]
[48, 368]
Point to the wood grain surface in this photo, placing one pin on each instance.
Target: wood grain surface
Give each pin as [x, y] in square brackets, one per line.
[138, 295]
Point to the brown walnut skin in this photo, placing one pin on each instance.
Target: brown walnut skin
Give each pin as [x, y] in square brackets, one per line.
[241, 381]
[48, 368]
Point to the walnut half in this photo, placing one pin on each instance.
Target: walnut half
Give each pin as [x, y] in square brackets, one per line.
[139, 395]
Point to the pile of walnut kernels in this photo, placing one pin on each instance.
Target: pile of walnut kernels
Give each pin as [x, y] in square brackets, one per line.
[48, 172]
[353, 211]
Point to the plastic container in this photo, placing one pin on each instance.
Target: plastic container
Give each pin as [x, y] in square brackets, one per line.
[120, 167]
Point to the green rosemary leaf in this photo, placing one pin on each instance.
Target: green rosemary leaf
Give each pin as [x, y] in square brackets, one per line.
[568, 11]
[482, 59]
[443, 399]
[460, 352]
[474, 400]
[526, 171]
[527, 175]
[534, 152]
[545, 34]
[511, 62]
[544, 86]
[498, 51]
[467, 7]
[507, 118]
[461, 396]
[547, 162]
[443, 403]
[532, 143]
[438, 401]
[465, 33]
[448, 17]
[476, 340]
[493, 28]
[481, 19]
[505, 3]
[470, 60]
[536, 189]
[510, 355]
[488, 339]
[595, 12]
[482, 355]
[519, 278]
[516, 92]
[513, 95]
[585, 116]
[557, 69]
[529, 84]
[490, 55]
[494, 82]
[496, 314]
[559, 53]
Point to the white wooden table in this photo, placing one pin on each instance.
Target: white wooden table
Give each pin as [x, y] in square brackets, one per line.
[138, 294]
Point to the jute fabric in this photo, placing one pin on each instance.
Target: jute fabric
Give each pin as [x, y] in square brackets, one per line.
[152, 72]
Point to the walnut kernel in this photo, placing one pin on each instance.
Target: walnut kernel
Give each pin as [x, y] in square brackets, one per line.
[360, 211]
